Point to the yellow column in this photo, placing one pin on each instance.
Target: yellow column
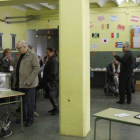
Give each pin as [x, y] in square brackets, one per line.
[74, 60]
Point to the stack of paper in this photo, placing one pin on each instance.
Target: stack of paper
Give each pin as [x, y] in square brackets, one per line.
[122, 115]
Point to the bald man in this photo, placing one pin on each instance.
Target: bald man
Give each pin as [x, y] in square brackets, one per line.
[26, 79]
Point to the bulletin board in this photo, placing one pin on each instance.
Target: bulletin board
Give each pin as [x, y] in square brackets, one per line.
[135, 36]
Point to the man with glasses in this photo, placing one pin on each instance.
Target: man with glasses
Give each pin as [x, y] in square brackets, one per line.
[26, 79]
[127, 65]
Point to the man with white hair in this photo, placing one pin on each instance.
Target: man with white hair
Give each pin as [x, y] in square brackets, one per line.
[26, 79]
[127, 65]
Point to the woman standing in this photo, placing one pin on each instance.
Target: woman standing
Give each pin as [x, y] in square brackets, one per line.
[6, 61]
[51, 79]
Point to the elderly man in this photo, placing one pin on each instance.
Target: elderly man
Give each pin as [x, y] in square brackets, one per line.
[26, 79]
[113, 70]
[127, 65]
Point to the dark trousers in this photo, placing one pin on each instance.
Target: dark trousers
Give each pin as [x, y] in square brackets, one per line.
[28, 103]
[52, 93]
[125, 85]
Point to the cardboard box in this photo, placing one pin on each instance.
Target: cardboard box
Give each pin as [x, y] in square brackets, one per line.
[137, 82]
[137, 86]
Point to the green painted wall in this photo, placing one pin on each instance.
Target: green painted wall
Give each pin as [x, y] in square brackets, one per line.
[7, 29]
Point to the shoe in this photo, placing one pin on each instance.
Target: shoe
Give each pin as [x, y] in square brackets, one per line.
[6, 133]
[119, 102]
[19, 120]
[36, 114]
[55, 112]
[50, 111]
[29, 123]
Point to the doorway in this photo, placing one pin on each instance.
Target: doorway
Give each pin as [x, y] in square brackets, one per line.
[42, 39]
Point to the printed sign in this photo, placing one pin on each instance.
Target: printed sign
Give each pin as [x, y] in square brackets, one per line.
[101, 18]
[104, 40]
[113, 18]
[95, 35]
[121, 27]
[94, 46]
[114, 35]
[119, 44]
[105, 26]
[134, 18]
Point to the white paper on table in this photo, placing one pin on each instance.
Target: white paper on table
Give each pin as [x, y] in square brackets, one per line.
[122, 115]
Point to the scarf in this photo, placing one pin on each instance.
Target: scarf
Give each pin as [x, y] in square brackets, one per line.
[118, 69]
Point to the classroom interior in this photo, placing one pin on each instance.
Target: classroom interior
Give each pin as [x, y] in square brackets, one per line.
[85, 33]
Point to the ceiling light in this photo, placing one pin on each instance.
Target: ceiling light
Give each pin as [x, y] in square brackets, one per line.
[120, 1]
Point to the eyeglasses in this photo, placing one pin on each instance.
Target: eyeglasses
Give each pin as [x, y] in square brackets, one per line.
[19, 48]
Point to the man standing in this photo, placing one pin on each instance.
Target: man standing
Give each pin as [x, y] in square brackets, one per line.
[127, 65]
[26, 79]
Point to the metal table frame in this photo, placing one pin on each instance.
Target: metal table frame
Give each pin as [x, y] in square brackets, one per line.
[21, 107]
[110, 120]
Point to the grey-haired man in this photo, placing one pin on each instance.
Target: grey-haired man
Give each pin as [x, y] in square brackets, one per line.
[127, 65]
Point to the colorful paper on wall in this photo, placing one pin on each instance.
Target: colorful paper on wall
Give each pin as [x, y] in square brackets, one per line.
[105, 26]
[137, 31]
[91, 24]
[105, 40]
[114, 35]
[134, 18]
[119, 44]
[94, 46]
[121, 27]
[136, 39]
[95, 35]
[136, 45]
[113, 18]
[101, 18]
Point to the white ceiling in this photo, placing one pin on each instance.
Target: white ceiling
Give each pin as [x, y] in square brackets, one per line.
[38, 6]
[35, 6]
[101, 3]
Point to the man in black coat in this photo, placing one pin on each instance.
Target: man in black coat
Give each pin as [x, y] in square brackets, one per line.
[127, 65]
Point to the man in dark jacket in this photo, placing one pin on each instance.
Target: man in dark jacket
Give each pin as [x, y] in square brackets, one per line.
[127, 65]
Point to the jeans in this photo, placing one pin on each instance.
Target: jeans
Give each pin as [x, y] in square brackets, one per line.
[28, 103]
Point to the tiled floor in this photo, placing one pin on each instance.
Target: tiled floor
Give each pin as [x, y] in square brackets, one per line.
[46, 127]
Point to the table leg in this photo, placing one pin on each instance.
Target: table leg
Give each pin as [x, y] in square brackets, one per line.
[95, 128]
[21, 110]
[42, 94]
[109, 130]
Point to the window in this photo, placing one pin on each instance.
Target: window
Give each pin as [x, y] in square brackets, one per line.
[13, 41]
[1, 41]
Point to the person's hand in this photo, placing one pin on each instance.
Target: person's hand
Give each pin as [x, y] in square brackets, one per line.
[116, 74]
[28, 84]
[9, 57]
[113, 54]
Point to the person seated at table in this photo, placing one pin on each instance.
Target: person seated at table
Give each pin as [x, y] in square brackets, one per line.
[113, 70]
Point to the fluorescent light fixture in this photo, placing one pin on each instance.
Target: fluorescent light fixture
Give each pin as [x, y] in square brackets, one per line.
[120, 1]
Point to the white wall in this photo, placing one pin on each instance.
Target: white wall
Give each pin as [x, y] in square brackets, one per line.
[39, 43]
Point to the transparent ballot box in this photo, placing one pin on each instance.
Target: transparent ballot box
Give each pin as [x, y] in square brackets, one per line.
[5, 81]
